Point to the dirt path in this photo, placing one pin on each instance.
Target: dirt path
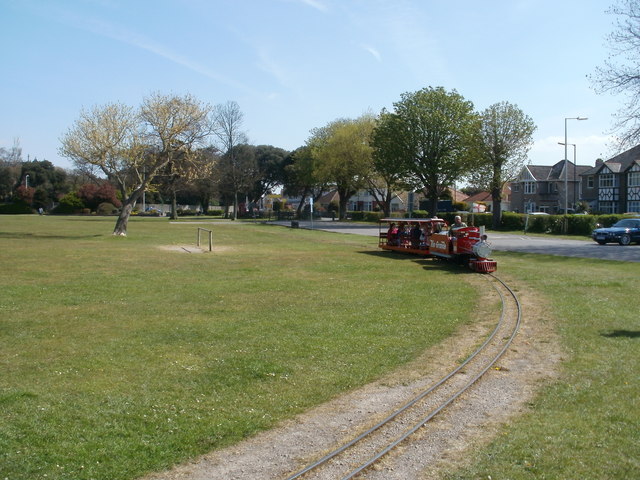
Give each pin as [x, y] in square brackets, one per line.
[469, 423]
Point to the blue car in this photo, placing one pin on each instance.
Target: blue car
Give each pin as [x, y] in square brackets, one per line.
[624, 232]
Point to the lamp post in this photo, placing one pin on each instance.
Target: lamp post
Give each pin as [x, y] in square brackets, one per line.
[26, 181]
[574, 170]
[566, 174]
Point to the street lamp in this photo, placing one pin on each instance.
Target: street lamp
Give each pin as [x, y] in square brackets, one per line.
[26, 181]
[574, 169]
[566, 175]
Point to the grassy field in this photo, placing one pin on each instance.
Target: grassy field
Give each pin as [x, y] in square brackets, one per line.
[120, 356]
[587, 425]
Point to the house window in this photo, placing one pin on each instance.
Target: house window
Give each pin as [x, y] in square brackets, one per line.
[529, 188]
[590, 181]
[607, 207]
[633, 206]
[607, 180]
[634, 179]
[515, 187]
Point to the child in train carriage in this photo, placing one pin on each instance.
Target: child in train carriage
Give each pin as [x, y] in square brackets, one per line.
[392, 235]
[424, 235]
[404, 231]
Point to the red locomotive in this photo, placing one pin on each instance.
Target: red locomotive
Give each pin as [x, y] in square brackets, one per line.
[434, 237]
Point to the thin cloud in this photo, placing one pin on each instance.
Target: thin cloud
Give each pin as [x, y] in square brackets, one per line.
[315, 4]
[114, 32]
[375, 53]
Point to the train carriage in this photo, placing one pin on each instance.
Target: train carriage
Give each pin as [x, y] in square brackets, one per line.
[434, 237]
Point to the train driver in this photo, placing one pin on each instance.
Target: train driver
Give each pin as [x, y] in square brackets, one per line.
[457, 223]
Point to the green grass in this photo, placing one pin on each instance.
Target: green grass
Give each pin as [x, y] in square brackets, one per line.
[120, 358]
[587, 425]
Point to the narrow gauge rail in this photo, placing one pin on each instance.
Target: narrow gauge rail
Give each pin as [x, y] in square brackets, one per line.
[434, 237]
[363, 451]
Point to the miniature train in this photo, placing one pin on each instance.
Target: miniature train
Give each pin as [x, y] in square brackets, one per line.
[434, 237]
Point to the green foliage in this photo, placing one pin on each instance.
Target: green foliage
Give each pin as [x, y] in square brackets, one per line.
[366, 216]
[513, 221]
[70, 203]
[15, 208]
[581, 224]
[107, 208]
[461, 206]
[418, 214]
[608, 220]
[216, 212]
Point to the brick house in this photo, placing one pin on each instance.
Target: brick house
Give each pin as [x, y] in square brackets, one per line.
[614, 186]
[541, 188]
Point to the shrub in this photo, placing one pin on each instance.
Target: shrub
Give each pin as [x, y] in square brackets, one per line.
[581, 224]
[608, 220]
[16, 208]
[419, 214]
[69, 203]
[106, 208]
[512, 221]
[218, 212]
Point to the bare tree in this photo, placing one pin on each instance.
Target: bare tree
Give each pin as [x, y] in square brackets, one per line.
[228, 119]
[132, 149]
[621, 71]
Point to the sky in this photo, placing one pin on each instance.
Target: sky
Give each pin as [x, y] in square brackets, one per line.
[295, 65]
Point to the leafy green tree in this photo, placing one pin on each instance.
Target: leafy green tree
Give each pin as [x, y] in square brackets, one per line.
[506, 136]
[270, 163]
[388, 174]
[10, 160]
[49, 181]
[433, 133]
[301, 176]
[344, 155]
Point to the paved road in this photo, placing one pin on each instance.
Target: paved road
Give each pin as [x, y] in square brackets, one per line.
[513, 243]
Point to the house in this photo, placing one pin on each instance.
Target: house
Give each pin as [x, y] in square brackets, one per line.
[614, 186]
[484, 199]
[541, 188]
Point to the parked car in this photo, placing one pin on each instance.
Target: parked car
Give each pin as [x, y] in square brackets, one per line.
[624, 232]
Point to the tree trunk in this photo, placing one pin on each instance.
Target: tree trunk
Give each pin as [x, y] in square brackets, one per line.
[174, 205]
[123, 219]
[497, 213]
[127, 207]
[235, 205]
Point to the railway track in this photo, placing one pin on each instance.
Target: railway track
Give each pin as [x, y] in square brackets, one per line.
[356, 457]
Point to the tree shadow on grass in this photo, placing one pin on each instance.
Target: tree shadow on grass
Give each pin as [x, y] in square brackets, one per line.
[24, 236]
[621, 333]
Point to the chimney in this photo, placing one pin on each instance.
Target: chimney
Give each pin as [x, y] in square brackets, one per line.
[599, 162]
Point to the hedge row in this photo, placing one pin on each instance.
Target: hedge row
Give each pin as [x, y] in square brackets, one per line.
[553, 224]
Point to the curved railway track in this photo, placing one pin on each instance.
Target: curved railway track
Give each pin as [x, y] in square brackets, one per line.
[356, 457]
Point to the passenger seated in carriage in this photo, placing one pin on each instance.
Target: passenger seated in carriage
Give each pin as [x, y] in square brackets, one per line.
[392, 235]
[415, 235]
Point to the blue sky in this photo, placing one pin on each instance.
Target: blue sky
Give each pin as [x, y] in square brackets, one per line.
[294, 65]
